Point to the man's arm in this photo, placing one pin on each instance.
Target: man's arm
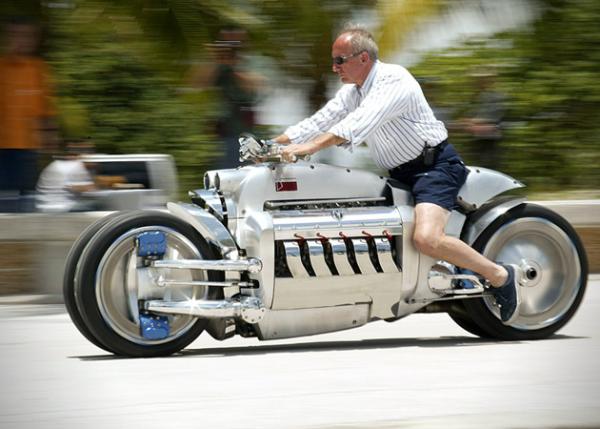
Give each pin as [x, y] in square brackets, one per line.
[282, 139]
[322, 120]
[313, 146]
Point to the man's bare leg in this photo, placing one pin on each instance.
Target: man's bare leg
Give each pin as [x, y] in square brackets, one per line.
[429, 238]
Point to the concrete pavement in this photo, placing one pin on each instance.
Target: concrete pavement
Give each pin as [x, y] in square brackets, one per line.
[420, 372]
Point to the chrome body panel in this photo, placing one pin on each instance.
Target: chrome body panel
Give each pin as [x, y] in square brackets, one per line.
[340, 257]
[253, 185]
[317, 258]
[255, 236]
[385, 255]
[363, 258]
[212, 202]
[381, 291]
[294, 259]
[482, 185]
[333, 223]
[208, 226]
[311, 321]
[473, 230]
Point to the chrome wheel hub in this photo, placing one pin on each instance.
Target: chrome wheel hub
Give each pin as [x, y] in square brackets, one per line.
[122, 282]
[550, 265]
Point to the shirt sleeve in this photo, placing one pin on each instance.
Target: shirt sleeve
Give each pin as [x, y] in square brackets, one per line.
[389, 98]
[330, 114]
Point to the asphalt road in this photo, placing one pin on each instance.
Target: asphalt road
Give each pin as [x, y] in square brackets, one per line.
[423, 371]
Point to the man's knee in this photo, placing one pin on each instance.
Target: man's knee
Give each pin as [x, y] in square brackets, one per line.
[426, 242]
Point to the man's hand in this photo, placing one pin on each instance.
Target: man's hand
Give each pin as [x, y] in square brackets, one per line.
[292, 152]
[315, 145]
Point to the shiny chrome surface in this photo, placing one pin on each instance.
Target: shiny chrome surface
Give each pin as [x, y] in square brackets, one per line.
[331, 223]
[341, 201]
[253, 185]
[482, 185]
[212, 202]
[294, 259]
[340, 257]
[161, 282]
[208, 226]
[380, 290]
[247, 308]
[317, 258]
[311, 321]
[474, 230]
[441, 279]
[384, 254]
[121, 282]
[363, 258]
[537, 243]
[251, 265]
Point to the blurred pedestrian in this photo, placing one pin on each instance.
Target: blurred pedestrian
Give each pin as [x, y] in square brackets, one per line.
[63, 184]
[237, 88]
[485, 122]
[26, 110]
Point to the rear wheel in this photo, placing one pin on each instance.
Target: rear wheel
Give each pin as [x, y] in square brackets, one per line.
[553, 260]
[111, 282]
[465, 322]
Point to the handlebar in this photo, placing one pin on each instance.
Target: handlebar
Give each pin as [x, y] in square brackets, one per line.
[253, 149]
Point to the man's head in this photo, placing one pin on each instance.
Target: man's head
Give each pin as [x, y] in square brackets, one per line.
[353, 54]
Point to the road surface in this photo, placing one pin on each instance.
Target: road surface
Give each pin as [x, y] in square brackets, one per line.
[422, 371]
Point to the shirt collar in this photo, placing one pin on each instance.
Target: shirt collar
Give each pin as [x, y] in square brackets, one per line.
[369, 80]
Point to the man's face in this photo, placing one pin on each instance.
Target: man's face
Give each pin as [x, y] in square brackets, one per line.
[355, 67]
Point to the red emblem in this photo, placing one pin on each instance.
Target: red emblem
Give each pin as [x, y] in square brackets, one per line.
[286, 186]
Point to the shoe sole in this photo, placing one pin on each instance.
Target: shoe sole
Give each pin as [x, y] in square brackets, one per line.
[518, 276]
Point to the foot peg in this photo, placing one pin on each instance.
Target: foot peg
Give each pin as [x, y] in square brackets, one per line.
[444, 280]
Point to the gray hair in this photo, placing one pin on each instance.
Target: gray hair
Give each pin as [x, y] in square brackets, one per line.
[361, 40]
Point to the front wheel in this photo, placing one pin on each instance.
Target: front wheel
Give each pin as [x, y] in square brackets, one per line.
[554, 263]
[112, 281]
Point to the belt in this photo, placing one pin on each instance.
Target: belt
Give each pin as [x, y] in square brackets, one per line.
[419, 162]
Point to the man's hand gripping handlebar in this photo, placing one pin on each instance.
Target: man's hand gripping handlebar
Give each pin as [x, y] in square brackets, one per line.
[253, 149]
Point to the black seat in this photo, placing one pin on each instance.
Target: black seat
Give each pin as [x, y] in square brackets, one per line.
[394, 183]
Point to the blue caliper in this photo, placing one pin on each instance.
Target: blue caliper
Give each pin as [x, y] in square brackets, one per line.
[152, 245]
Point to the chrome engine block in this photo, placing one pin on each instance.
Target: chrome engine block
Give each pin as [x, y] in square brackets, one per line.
[339, 241]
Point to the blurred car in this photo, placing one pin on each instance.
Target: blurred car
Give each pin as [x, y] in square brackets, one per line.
[128, 182]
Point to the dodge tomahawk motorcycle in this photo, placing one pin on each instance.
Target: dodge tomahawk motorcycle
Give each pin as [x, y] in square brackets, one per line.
[277, 250]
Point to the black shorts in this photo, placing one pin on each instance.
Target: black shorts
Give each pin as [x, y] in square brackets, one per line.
[437, 184]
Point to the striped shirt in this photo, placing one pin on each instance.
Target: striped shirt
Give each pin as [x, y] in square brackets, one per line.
[389, 112]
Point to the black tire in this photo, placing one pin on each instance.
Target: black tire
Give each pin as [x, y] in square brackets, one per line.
[112, 329]
[468, 325]
[69, 276]
[537, 238]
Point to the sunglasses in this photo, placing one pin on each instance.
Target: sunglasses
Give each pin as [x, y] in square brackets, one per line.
[338, 61]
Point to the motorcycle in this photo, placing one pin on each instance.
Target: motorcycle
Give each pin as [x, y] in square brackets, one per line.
[278, 250]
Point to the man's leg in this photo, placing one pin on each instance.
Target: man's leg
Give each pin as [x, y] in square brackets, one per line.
[429, 238]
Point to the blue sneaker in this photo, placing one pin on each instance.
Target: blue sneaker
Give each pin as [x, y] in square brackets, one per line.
[507, 295]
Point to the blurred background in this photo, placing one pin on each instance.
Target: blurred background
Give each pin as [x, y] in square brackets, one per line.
[515, 81]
